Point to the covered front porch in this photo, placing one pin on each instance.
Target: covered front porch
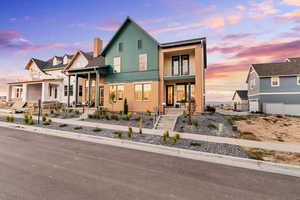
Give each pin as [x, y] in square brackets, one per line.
[89, 86]
[35, 90]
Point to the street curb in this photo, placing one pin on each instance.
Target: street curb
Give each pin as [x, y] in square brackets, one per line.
[278, 168]
[294, 148]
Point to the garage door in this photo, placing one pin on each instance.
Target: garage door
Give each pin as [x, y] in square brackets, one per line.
[253, 106]
[280, 108]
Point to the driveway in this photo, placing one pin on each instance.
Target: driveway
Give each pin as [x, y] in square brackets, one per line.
[36, 167]
[231, 112]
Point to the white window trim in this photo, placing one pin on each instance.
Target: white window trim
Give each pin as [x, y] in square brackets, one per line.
[298, 80]
[114, 71]
[145, 60]
[273, 77]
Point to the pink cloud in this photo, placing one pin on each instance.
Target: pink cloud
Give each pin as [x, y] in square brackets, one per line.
[225, 50]
[237, 36]
[294, 15]
[240, 7]
[214, 22]
[12, 40]
[111, 25]
[291, 2]
[263, 8]
[233, 19]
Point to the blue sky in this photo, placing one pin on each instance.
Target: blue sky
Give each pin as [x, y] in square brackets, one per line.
[236, 32]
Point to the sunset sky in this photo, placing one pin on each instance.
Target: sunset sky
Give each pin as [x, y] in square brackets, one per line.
[238, 32]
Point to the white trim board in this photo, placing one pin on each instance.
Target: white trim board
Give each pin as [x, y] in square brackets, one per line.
[270, 93]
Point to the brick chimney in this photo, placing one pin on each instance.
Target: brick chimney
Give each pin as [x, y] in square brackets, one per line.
[97, 47]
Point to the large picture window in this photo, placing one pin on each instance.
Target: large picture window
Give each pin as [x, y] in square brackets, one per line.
[118, 91]
[143, 92]
[184, 92]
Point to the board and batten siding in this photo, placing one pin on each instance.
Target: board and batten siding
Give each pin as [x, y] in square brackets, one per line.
[287, 84]
[256, 88]
[129, 37]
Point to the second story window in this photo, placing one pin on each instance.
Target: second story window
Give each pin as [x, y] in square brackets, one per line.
[185, 65]
[275, 81]
[140, 44]
[120, 46]
[143, 62]
[117, 64]
[298, 80]
[175, 65]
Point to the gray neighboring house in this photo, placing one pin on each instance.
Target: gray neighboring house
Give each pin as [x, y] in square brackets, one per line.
[274, 88]
[240, 100]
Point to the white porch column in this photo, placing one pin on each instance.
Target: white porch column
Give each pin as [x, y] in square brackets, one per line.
[45, 91]
[24, 92]
[9, 93]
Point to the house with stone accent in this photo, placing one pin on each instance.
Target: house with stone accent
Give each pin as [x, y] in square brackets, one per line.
[133, 66]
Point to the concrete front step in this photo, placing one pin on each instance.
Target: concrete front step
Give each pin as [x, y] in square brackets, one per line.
[166, 122]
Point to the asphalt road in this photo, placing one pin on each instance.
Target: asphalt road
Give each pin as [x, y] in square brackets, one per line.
[37, 167]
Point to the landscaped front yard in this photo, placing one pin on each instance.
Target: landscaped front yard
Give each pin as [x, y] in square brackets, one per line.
[165, 139]
[146, 120]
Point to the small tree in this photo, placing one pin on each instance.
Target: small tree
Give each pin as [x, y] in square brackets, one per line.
[112, 99]
[125, 107]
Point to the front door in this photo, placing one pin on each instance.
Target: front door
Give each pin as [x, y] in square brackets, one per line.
[170, 95]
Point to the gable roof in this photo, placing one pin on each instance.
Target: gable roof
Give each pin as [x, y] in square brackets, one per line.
[277, 69]
[243, 94]
[117, 33]
[92, 61]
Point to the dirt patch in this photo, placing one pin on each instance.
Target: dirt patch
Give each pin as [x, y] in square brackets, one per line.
[273, 128]
[273, 156]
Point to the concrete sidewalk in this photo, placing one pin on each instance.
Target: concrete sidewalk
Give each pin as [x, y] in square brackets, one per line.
[240, 142]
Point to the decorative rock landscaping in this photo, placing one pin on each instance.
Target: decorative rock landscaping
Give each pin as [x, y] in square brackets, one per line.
[175, 141]
[205, 124]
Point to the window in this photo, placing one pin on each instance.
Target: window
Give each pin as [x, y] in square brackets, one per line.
[175, 65]
[180, 93]
[191, 92]
[275, 81]
[143, 62]
[298, 80]
[71, 90]
[50, 90]
[185, 65]
[66, 60]
[55, 92]
[120, 46]
[80, 91]
[252, 83]
[142, 92]
[66, 90]
[118, 91]
[117, 64]
[19, 92]
[140, 44]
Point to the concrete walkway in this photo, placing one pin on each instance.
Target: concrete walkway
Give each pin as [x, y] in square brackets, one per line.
[231, 112]
[240, 142]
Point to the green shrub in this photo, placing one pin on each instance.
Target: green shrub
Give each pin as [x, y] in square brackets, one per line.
[70, 110]
[137, 118]
[129, 114]
[63, 125]
[148, 112]
[195, 144]
[164, 137]
[114, 117]
[107, 117]
[44, 118]
[126, 118]
[7, 118]
[174, 140]
[97, 129]
[140, 131]
[77, 127]
[90, 116]
[177, 136]
[130, 129]
[49, 121]
[51, 111]
[77, 112]
[212, 126]
[31, 122]
[129, 133]
[195, 123]
[46, 123]
[26, 119]
[118, 133]
[125, 107]
[65, 116]
[167, 134]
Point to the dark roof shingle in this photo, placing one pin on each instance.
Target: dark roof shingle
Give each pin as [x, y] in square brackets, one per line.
[277, 69]
[243, 94]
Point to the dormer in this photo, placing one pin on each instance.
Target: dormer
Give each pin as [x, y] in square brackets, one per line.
[56, 61]
[66, 60]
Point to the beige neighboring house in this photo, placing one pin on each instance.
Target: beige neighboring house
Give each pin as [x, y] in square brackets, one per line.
[240, 100]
